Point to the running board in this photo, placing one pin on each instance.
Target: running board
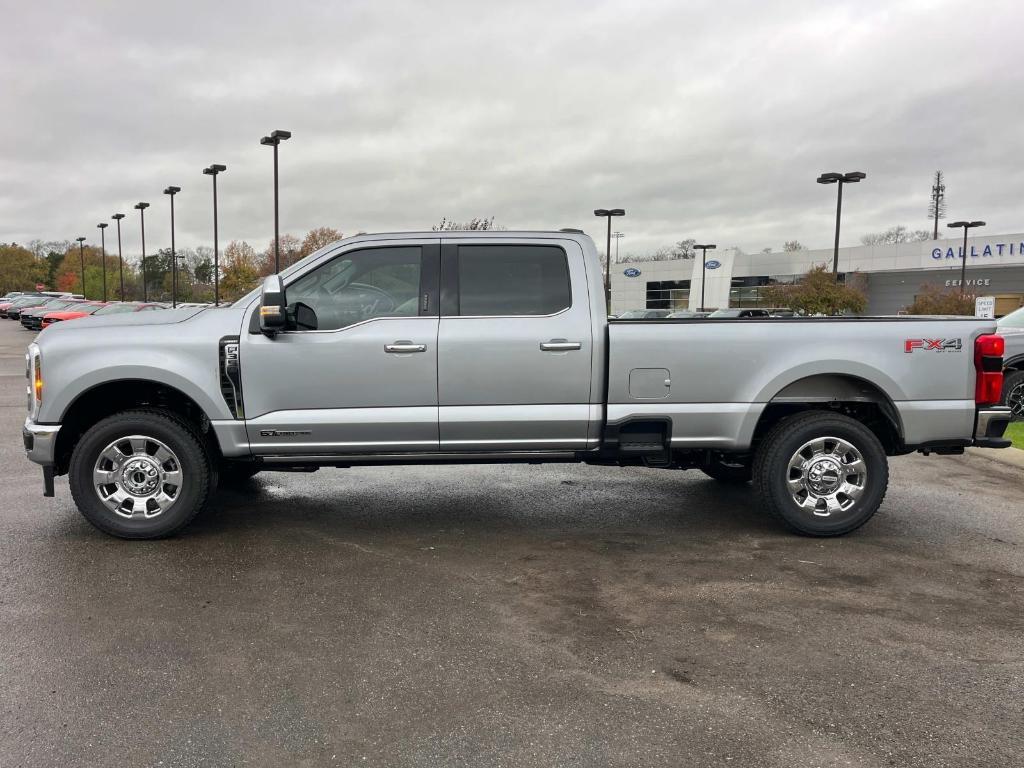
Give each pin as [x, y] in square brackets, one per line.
[476, 457]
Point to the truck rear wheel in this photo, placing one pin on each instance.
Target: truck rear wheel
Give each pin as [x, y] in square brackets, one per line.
[141, 474]
[821, 473]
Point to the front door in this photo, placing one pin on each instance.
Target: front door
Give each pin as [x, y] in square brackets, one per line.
[365, 380]
[514, 346]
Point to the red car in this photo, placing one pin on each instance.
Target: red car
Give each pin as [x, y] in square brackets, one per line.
[82, 309]
[113, 308]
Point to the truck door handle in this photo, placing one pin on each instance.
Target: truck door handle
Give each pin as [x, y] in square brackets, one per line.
[405, 346]
[559, 345]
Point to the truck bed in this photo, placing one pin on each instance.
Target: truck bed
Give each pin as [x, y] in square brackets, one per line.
[712, 379]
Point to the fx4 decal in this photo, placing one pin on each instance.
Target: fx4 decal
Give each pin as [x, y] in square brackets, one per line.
[934, 345]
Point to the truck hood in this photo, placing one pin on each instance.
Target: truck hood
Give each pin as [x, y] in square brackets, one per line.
[149, 317]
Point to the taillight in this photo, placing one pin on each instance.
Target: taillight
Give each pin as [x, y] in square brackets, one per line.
[988, 362]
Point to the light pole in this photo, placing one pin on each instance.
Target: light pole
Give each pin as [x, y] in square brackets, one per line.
[608, 213]
[81, 257]
[850, 177]
[141, 208]
[102, 226]
[274, 140]
[120, 256]
[963, 267]
[212, 171]
[704, 268]
[618, 236]
[172, 191]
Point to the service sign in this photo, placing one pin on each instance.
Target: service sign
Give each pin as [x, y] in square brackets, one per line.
[985, 306]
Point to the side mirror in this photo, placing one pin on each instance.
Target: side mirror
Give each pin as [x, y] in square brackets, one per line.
[273, 306]
[302, 317]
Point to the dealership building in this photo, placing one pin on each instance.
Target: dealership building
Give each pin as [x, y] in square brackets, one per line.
[890, 275]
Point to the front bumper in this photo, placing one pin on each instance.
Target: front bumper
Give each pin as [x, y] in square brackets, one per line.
[40, 441]
[989, 427]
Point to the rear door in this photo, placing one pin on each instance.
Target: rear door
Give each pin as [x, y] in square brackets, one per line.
[514, 346]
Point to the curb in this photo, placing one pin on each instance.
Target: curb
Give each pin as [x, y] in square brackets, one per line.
[1010, 457]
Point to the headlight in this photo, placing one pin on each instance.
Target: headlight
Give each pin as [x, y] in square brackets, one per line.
[35, 380]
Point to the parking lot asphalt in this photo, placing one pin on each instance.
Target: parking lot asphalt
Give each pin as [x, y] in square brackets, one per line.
[511, 615]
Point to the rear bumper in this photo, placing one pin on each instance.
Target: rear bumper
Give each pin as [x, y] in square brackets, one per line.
[989, 426]
[40, 441]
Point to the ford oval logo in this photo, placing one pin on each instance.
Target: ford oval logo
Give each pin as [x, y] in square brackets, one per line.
[631, 272]
[712, 264]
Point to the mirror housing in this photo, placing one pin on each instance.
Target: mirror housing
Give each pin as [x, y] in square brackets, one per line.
[273, 306]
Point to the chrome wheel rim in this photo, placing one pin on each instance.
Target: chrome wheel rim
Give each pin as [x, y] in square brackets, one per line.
[1015, 400]
[137, 477]
[826, 476]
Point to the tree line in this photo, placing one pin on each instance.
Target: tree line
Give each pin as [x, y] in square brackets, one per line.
[57, 265]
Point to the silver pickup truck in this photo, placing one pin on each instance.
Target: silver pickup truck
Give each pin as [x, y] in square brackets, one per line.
[493, 347]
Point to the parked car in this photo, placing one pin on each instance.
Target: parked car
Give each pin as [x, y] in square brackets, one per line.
[1011, 328]
[124, 307]
[82, 309]
[33, 302]
[781, 312]
[685, 314]
[493, 346]
[738, 313]
[32, 317]
[644, 314]
[23, 299]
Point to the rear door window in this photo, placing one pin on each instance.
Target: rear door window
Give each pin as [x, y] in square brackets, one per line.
[512, 280]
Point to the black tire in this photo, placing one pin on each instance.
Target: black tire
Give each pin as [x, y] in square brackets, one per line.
[730, 472]
[773, 473]
[1013, 394]
[178, 436]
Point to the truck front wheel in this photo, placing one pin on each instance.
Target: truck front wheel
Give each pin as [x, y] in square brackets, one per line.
[821, 473]
[140, 474]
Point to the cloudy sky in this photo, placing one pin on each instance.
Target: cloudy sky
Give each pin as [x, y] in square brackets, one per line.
[702, 119]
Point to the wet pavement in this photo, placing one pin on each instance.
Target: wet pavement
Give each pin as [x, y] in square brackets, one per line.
[511, 615]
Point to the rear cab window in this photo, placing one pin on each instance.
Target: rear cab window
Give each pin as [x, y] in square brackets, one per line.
[506, 281]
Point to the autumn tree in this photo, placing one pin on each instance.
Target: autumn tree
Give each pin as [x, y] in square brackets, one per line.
[291, 251]
[68, 274]
[317, 238]
[683, 249]
[474, 224]
[817, 293]
[792, 246]
[20, 270]
[240, 272]
[936, 300]
[896, 235]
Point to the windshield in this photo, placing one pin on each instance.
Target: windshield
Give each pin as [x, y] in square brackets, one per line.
[115, 309]
[1012, 320]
